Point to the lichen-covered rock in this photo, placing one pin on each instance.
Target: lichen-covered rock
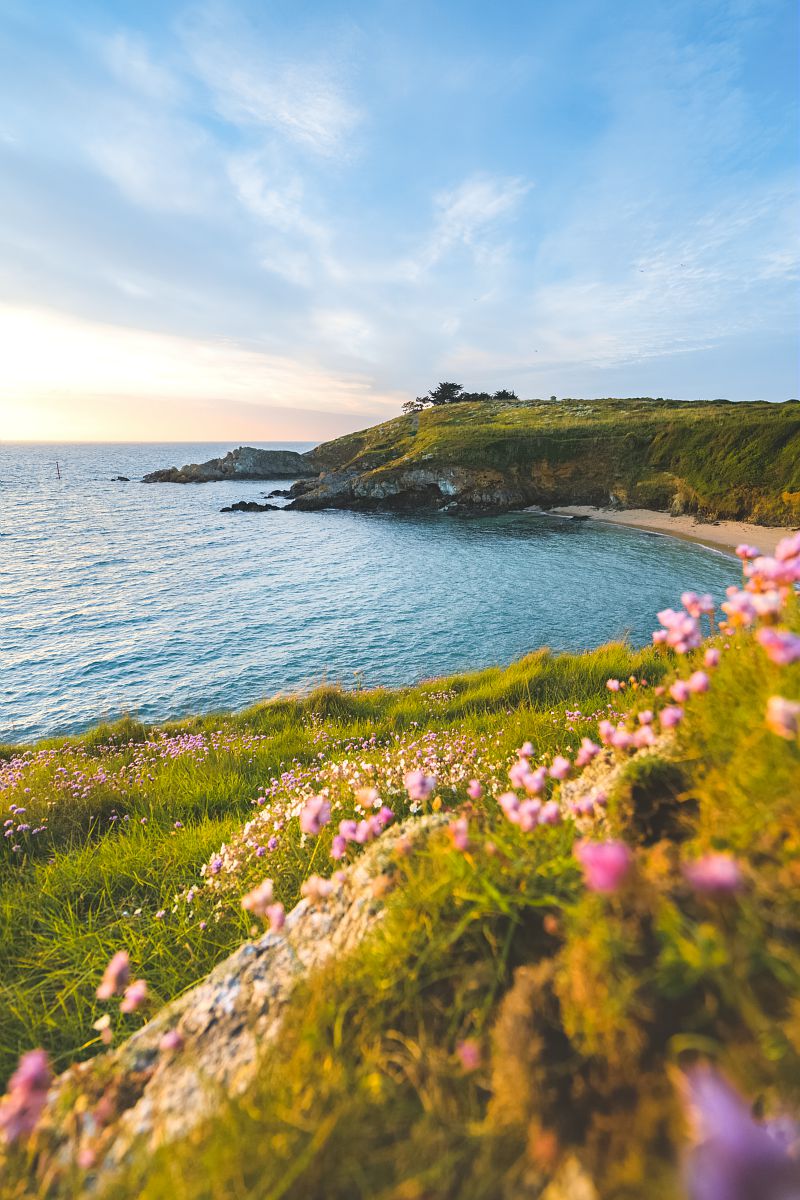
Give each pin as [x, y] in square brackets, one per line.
[142, 1093]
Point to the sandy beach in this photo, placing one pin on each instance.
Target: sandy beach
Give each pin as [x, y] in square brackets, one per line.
[721, 535]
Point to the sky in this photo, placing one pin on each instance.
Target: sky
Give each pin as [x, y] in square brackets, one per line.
[282, 219]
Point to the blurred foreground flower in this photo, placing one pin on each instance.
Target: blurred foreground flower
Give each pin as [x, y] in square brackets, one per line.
[605, 864]
[115, 977]
[27, 1093]
[783, 717]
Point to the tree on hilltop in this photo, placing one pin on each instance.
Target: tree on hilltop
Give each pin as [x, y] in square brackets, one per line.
[453, 393]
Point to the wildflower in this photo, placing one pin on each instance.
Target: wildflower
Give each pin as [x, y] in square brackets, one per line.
[419, 785]
[26, 1097]
[783, 717]
[474, 789]
[103, 1027]
[172, 1040]
[644, 737]
[135, 994]
[115, 976]
[744, 551]
[367, 797]
[315, 815]
[338, 847]
[781, 646]
[526, 750]
[518, 771]
[670, 716]
[560, 767]
[528, 815]
[459, 834]
[348, 829]
[613, 685]
[605, 864]
[509, 802]
[534, 782]
[276, 915]
[711, 657]
[259, 899]
[680, 691]
[714, 873]
[316, 888]
[698, 682]
[550, 814]
[646, 717]
[469, 1054]
[735, 1157]
[697, 605]
[605, 731]
[739, 607]
[588, 750]
[788, 548]
[621, 739]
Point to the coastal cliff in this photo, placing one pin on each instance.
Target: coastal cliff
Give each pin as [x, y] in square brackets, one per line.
[244, 463]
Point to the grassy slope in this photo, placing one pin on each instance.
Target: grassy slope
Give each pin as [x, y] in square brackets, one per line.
[583, 1005]
[736, 461]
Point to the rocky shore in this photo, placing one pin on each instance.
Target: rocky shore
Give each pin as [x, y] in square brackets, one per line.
[244, 463]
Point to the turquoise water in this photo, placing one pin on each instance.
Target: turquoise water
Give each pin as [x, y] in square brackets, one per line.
[126, 597]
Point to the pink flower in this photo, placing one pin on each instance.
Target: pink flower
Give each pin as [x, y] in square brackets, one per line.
[115, 976]
[276, 915]
[605, 731]
[560, 768]
[348, 829]
[711, 657]
[459, 834]
[315, 888]
[783, 717]
[739, 607]
[697, 605]
[587, 752]
[698, 682]
[419, 785]
[469, 1053]
[259, 900]
[383, 817]
[550, 814]
[680, 691]
[781, 646]
[788, 548]
[622, 740]
[528, 815]
[714, 873]
[605, 864]
[613, 685]
[744, 551]
[526, 750]
[670, 716]
[338, 847]
[22, 1106]
[646, 717]
[135, 994]
[474, 789]
[509, 802]
[172, 1040]
[534, 782]
[644, 737]
[518, 771]
[315, 815]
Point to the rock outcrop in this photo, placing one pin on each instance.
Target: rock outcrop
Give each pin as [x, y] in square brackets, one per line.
[249, 506]
[244, 463]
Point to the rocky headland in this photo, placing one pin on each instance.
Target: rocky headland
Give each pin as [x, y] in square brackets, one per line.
[244, 463]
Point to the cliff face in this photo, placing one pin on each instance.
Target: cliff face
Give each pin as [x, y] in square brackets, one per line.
[717, 459]
[244, 463]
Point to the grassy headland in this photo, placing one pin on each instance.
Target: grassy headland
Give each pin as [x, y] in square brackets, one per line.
[507, 1017]
[716, 459]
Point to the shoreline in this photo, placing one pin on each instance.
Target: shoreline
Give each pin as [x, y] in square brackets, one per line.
[717, 535]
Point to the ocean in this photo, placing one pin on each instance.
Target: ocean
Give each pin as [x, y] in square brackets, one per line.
[143, 599]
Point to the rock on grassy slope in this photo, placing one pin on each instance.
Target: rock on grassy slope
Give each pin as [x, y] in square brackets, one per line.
[556, 954]
[740, 461]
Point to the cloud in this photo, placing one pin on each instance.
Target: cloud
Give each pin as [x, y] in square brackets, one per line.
[128, 58]
[301, 100]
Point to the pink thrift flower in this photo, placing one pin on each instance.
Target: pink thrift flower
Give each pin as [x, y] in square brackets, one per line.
[605, 864]
[518, 771]
[172, 1040]
[528, 815]
[135, 995]
[783, 717]
[696, 605]
[698, 682]
[315, 815]
[680, 691]
[469, 1054]
[587, 752]
[276, 915]
[459, 834]
[613, 685]
[605, 731]
[258, 901]
[560, 768]
[621, 739]
[644, 737]
[534, 782]
[781, 646]
[115, 976]
[670, 716]
[419, 785]
[22, 1105]
[714, 873]
[550, 814]
[338, 847]
[744, 551]
[509, 802]
[788, 548]
[646, 717]
[711, 657]
[474, 789]
[526, 750]
[315, 888]
[348, 830]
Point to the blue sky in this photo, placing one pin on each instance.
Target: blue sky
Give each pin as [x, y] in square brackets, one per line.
[232, 219]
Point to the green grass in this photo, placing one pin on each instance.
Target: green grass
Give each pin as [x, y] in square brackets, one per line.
[716, 459]
[586, 1007]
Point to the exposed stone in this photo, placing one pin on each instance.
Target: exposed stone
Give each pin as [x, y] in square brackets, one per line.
[250, 506]
[244, 463]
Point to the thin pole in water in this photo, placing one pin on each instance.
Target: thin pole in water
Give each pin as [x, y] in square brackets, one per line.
[58, 470]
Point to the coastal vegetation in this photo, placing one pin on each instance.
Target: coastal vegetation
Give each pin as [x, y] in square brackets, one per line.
[599, 918]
